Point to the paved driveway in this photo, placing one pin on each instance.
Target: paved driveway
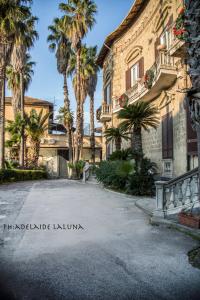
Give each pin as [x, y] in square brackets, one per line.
[111, 252]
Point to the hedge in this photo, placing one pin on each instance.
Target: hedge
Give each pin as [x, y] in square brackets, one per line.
[12, 175]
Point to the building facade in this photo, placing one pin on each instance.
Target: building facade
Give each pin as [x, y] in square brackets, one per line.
[54, 144]
[145, 44]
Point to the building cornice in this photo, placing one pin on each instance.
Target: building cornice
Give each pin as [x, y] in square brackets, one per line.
[132, 16]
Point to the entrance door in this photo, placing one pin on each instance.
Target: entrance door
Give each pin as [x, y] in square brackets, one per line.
[63, 156]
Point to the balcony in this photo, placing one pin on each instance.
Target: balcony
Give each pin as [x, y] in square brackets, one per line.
[178, 48]
[105, 113]
[164, 76]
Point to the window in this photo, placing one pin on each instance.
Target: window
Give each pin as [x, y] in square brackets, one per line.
[134, 74]
[165, 39]
[167, 136]
[107, 94]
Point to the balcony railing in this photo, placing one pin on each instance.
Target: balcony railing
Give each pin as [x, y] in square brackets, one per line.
[179, 193]
[106, 112]
[165, 74]
[177, 47]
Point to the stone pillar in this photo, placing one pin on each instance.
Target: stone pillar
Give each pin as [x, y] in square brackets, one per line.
[159, 212]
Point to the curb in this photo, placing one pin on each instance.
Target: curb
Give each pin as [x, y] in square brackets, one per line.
[194, 233]
[145, 210]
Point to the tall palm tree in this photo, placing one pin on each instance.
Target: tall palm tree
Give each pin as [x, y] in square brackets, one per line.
[13, 79]
[37, 125]
[78, 19]
[86, 70]
[12, 14]
[91, 88]
[136, 117]
[60, 43]
[116, 135]
[192, 26]
[24, 40]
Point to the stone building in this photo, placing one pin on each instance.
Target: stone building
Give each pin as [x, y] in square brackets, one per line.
[145, 41]
[54, 144]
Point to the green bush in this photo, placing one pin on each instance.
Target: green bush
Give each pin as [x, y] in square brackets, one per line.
[132, 178]
[124, 154]
[12, 175]
[114, 173]
[77, 169]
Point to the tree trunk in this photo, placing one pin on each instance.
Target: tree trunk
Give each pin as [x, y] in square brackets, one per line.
[22, 150]
[92, 134]
[118, 144]
[137, 140]
[78, 109]
[2, 120]
[34, 152]
[68, 123]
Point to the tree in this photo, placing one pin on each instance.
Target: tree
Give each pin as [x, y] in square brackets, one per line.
[12, 14]
[141, 115]
[192, 27]
[13, 79]
[116, 135]
[78, 19]
[23, 41]
[87, 69]
[37, 125]
[91, 88]
[62, 46]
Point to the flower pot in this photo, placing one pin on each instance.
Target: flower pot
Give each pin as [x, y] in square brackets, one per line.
[181, 10]
[189, 220]
[161, 47]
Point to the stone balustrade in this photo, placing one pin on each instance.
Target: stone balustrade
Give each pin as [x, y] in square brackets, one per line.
[179, 193]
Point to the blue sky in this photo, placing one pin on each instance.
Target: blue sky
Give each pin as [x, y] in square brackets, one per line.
[47, 83]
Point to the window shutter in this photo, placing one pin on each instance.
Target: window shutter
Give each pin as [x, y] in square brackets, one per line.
[191, 136]
[170, 22]
[141, 67]
[164, 137]
[105, 95]
[167, 136]
[128, 79]
[157, 42]
[170, 135]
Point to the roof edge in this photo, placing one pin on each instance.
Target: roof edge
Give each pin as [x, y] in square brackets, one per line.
[123, 27]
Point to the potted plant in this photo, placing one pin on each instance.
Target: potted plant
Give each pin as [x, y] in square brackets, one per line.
[148, 78]
[179, 27]
[190, 219]
[123, 100]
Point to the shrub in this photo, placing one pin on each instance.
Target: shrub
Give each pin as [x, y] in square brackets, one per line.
[114, 173]
[12, 175]
[77, 169]
[132, 178]
[124, 154]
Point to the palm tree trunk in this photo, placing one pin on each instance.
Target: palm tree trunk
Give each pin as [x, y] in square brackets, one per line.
[92, 134]
[198, 141]
[118, 144]
[137, 140]
[68, 123]
[22, 149]
[2, 119]
[78, 109]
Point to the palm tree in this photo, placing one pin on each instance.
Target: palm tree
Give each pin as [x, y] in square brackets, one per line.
[87, 69]
[13, 79]
[12, 14]
[24, 40]
[116, 135]
[141, 115]
[91, 88]
[62, 46]
[37, 125]
[192, 26]
[78, 19]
